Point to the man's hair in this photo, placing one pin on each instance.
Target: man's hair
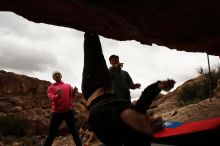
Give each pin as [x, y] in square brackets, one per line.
[113, 56]
[171, 82]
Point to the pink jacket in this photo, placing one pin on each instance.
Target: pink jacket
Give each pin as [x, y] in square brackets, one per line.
[63, 103]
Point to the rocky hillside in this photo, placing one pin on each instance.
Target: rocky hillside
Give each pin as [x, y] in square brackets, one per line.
[25, 110]
[24, 98]
[167, 106]
[25, 107]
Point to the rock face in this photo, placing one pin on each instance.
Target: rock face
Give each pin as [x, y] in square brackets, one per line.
[190, 25]
[25, 107]
[24, 99]
[12, 84]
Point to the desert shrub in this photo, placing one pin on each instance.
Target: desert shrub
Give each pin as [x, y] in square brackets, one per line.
[196, 92]
[187, 94]
[215, 76]
[181, 103]
[13, 126]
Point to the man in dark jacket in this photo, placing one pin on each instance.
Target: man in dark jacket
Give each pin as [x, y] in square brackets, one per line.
[114, 120]
[121, 80]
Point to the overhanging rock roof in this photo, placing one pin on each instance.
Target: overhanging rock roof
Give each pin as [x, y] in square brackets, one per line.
[190, 25]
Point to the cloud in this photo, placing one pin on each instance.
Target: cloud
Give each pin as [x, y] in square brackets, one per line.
[24, 57]
[30, 47]
[19, 49]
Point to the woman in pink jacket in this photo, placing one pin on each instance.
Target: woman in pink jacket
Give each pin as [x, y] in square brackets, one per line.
[61, 96]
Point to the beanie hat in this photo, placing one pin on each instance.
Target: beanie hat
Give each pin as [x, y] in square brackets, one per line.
[54, 72]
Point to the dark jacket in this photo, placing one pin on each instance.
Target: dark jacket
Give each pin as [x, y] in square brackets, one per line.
[121, 83]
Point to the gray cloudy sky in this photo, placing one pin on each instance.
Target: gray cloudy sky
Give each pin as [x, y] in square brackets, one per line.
[36, 50]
